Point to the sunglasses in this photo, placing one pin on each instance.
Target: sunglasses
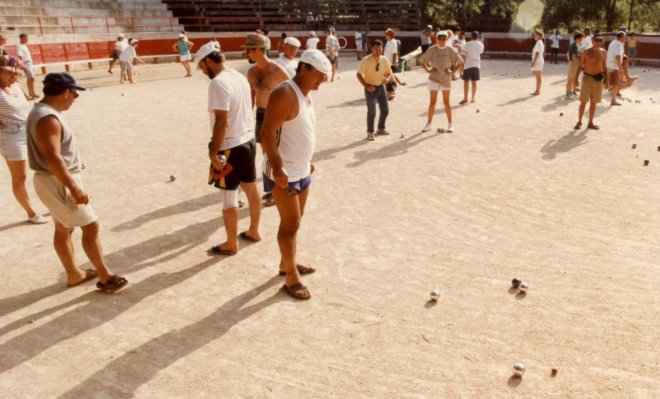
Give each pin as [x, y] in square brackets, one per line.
[377, 67]
[442, 38]
[75, 94]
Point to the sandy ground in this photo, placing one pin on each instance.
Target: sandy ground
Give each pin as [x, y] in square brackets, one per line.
[514, 192]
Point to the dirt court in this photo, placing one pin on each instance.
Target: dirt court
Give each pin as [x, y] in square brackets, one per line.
[513, 192]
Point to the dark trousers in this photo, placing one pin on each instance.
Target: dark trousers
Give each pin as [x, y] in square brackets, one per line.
[378, 96]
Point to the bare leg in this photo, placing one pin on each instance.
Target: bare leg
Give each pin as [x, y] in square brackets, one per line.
[474, 91]
[433, 99]
[583, 105]
[230, 217]
[64, 249]
[252, 194]
[539, 80]
[30, 85]
[592, 112]
[445, 101]
[466, 89]
[92, 246]
[290, 208]
[186, 65]
[18, 170]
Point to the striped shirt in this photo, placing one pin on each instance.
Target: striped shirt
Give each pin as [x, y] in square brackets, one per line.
[441, 59]
[14, 107]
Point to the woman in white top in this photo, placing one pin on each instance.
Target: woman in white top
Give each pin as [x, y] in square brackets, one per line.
[14, 109]
[537, 60]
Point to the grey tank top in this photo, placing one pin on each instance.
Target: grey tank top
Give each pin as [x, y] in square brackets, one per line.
[68, 148]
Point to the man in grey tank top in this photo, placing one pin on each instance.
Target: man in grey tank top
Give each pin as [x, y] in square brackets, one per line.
[287, 169]
[54, 156]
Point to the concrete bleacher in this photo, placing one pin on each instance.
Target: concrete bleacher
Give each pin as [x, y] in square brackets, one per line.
[226, 15]
[75, 16]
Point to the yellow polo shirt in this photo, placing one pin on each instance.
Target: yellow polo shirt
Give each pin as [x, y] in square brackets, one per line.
[374, 70]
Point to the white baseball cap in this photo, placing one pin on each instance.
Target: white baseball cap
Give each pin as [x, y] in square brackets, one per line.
[318, 60]
[121, 35]
[204, 51]
[292, 41]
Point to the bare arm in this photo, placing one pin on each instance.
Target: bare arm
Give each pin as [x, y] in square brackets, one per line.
[220, 128]
[281, 104]
[49, 138]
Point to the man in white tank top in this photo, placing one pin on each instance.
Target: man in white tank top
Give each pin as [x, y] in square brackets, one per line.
[288, 139]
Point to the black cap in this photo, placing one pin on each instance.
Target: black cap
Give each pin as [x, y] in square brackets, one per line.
[57, 83]
[474, 35]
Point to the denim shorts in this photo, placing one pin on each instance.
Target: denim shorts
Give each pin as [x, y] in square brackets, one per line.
[295, 187]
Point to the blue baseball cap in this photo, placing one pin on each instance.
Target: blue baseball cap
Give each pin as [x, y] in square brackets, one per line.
[57, 83]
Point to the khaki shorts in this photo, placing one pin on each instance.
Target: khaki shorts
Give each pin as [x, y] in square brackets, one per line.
[592, 90]
[572, 70]
[60, 203]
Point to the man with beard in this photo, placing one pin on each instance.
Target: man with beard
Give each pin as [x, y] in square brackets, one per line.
[263, 77]
[232, 149]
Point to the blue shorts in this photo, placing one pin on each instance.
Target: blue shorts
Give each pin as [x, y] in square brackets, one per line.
[632, 51]
[295, 187]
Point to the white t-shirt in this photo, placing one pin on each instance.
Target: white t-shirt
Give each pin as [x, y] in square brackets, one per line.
[472, 50]
[615, 48]
[539, 48]
[555, 40]
[230, 91]
[128, 54]
[288, 65]
[313, 42]
[391, 48]
[331, 46]
[121, 45]
[23, 52]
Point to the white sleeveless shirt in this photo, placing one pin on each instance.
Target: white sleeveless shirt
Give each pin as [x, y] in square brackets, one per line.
[296, 140]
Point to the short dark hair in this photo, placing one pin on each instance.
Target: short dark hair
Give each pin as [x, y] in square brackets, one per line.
[578, 35]
[376, 42]
[22, 35]
[303, 64]
[216, 56]
[620, 34]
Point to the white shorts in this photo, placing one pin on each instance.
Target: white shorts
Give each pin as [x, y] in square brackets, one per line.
[538, 66]
[13, 142]
[126, 66]
[185, 58]
[436, 86]
[60, 203]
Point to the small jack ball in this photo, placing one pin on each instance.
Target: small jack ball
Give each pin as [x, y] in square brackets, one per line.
[635, 146]
[646, 162]
[561, 114]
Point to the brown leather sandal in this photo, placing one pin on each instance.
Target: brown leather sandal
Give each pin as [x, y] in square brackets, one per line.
[297, 291]
[302, 269]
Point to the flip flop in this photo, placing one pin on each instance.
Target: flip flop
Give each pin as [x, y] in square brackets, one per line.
[216, 250]
[302, 269]
[244, 235]
[114, 284]
[593, 127]
[297, 291]
[463, 102]
[89, 275]
[578, 125]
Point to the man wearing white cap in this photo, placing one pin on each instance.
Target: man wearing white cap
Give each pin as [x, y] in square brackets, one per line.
[232, 149]
[312, 41]
[289, 137]
[288, 57]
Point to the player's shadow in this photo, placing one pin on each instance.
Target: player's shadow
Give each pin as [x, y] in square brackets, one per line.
[566, 143]
[351, 103]
[12, 225]
[396, 148]
[330, 153]
[176, 209]
[126, 374]
[558, 102]
[516, 100]
[89, 311]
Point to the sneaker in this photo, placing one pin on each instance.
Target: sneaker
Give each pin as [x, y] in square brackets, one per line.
[426, 128]
[383, 132]
[450, 129]
[370, 136]
[38, 219]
